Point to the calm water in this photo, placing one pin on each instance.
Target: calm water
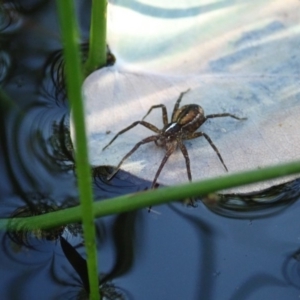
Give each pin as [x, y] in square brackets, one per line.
[239, 249]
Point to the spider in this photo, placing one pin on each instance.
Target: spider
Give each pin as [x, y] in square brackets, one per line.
[184, 123]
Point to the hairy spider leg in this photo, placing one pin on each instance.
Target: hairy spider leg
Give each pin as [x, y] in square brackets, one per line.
[149, 139]
[163, 162]
[195, 135]
[164, 113]
[223, 115]
[170, 150]
[188, 168]
[146, 124]
[186, 157]
[176, 106]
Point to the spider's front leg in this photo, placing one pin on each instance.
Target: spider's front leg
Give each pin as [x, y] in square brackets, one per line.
[149, 139]
[171, 147]
[170, 150]
[164, 112]
[146, 124]
[176, 106]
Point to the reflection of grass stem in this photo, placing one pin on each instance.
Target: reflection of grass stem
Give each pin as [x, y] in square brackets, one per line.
[70, 37]
[154, 197]
[97, 45]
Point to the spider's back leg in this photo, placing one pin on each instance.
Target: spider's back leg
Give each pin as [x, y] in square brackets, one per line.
[224, 115]
[195, 135]
[187, 159]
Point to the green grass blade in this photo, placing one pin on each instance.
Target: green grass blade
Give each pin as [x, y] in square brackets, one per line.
[151, 198]
[74, 80]
[97, 48]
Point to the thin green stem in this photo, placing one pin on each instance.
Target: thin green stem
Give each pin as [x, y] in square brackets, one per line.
[97, 46]
[150, 198]
[74, 83]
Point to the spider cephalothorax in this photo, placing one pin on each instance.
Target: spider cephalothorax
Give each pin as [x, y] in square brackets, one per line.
[185, 121]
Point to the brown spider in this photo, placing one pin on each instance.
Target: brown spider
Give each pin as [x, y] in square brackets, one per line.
[185, 121]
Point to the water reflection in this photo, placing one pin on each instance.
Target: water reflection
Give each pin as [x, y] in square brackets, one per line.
[264, 203]
[10, 19]
[291, 269]
[179, 253]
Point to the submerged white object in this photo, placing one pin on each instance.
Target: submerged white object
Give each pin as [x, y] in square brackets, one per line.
[253, 71]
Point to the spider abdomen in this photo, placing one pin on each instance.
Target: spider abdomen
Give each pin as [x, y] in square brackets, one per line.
[189, 117]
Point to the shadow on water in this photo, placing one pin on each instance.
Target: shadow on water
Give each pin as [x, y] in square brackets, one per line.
[268, 202]
[173, 253]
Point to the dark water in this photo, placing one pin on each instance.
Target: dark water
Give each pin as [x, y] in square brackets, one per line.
[237, 248]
